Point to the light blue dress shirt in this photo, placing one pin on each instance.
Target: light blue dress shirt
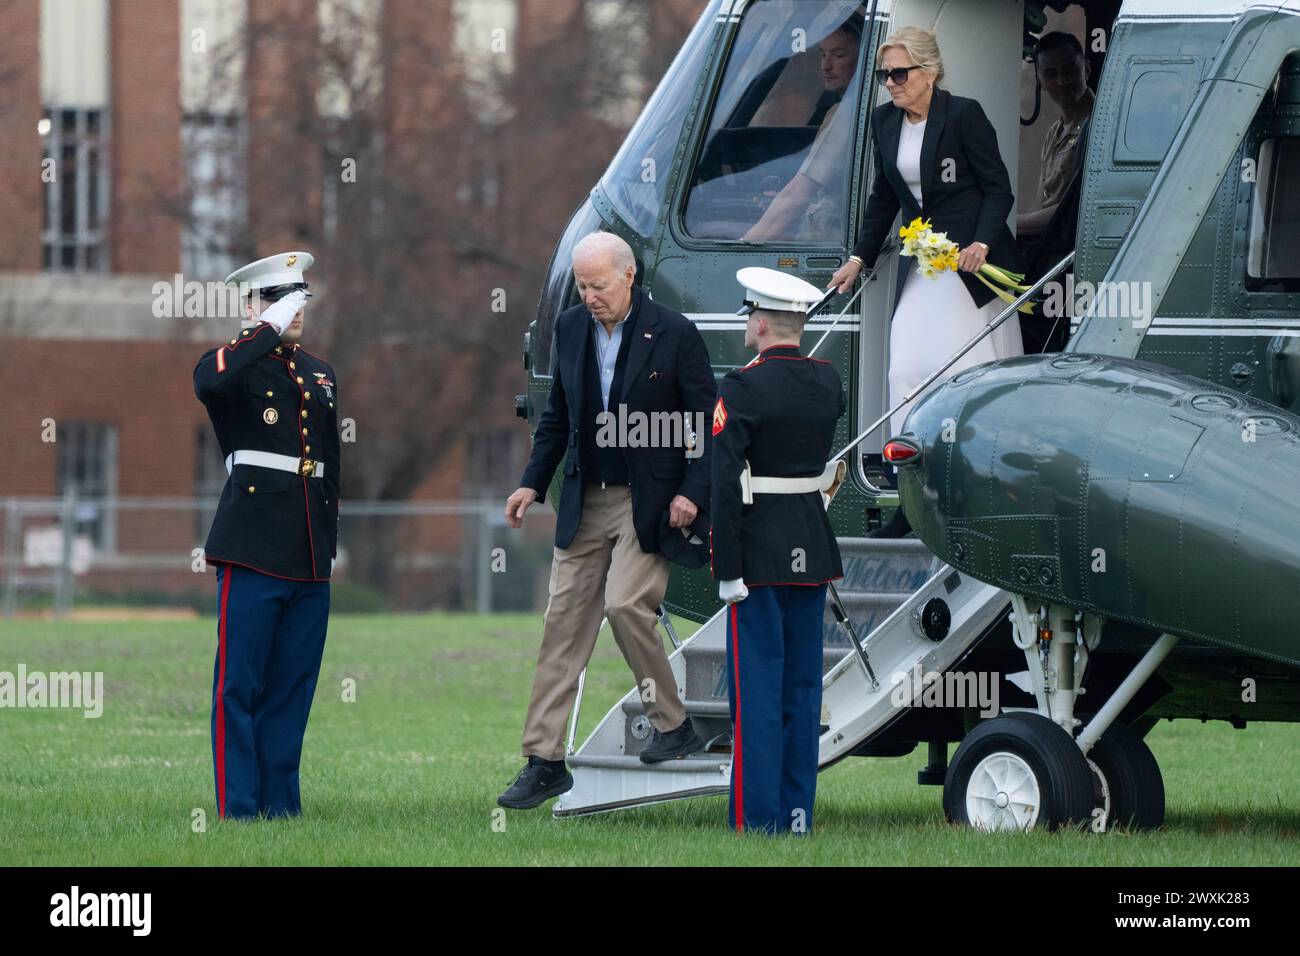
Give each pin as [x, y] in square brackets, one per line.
[607, 346]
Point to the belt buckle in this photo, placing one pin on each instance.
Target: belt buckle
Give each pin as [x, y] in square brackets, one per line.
[306, 467]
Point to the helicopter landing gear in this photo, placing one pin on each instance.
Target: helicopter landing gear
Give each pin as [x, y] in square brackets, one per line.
[1023, 769]
[1129, 779]
[1017, 772]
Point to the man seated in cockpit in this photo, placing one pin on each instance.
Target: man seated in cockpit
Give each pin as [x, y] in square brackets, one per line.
[808, 207]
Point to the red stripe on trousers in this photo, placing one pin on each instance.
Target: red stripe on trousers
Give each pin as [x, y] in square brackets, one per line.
[737, 774]
[221, 686]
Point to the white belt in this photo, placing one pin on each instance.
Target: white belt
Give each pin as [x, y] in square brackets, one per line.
[307, 467]
[751, 484]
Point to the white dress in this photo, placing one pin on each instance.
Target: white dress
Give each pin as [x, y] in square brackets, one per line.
[935, 317]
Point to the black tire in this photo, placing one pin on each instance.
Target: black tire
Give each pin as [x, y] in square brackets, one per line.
[1137, 790]
[1061, 776]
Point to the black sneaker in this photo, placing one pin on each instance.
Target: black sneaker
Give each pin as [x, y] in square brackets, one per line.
[681, 742]
[537, 782]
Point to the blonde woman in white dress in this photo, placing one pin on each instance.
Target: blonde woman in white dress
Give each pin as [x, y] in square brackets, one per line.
[936, 157]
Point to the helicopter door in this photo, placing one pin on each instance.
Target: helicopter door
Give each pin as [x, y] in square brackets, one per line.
[981, 44]
[1266, 265]
[770, 166]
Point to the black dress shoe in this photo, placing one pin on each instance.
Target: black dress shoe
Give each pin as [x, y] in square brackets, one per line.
[896, 527]
[681, 742]
[537, 782]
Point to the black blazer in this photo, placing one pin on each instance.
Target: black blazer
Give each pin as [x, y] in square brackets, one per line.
[667, 370]
[972, 207]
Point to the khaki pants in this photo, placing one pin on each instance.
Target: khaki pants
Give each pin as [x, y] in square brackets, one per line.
[602, 570]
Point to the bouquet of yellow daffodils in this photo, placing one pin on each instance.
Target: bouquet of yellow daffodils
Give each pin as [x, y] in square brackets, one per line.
[936, 253]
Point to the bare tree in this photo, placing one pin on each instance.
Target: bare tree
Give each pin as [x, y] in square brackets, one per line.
[434, 219]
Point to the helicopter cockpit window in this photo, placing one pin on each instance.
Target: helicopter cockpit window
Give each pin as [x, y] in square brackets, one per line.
[776, 158]
[1273, 253]
[637, 180]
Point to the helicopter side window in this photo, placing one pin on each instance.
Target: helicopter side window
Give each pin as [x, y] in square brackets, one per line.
[1273, 250]
[776, 158]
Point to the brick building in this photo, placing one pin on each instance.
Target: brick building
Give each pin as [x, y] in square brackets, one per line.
[150, 139]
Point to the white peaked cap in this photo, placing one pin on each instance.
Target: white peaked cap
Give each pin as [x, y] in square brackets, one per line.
[779, 291]
[283, 268]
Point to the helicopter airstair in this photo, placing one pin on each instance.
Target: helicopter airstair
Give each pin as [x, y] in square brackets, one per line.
[898, 607]
[902, 604]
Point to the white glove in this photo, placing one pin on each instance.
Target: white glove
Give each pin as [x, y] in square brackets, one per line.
[280, 314]
[333, 561]
[733, 591]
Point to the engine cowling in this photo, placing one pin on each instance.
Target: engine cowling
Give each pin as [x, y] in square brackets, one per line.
[1117, 487]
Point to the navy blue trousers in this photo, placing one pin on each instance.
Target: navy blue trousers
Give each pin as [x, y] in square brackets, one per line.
[774, 687]
[270, 638]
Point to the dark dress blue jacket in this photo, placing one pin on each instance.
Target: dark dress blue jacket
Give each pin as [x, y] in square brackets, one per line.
[778, 414]
[263, 395]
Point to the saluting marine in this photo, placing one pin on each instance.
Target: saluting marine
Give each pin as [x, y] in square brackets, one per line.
[774, 551]
[273, 406]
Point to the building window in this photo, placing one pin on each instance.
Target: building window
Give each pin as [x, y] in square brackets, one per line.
[87, 467]
[75, 134]
[209, 480]
[218, 213]
[75, 173]
[349, 103]
[485, 38]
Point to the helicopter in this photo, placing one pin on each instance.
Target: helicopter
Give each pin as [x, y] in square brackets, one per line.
[1103, 533]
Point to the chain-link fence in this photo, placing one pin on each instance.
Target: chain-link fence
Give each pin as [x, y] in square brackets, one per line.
[147, 553]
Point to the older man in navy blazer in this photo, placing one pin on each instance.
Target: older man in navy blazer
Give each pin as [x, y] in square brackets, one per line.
[620, 357]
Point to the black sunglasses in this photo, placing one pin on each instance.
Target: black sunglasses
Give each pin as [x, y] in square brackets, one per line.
[898, 74]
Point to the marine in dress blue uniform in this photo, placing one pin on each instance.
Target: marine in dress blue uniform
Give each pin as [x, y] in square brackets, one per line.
[274, 408]
[773, 552]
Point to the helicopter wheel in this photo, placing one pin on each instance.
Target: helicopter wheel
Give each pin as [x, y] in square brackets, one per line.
[1018, 772]
[1130, 778]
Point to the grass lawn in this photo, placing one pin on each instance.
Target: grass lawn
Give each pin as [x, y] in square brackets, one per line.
[410, 771]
